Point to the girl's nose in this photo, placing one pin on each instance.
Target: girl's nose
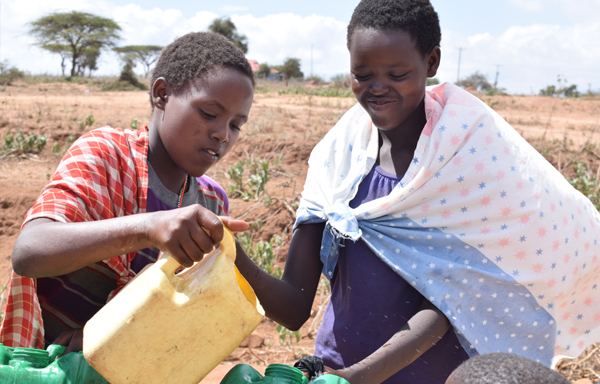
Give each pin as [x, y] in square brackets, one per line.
[378, 88]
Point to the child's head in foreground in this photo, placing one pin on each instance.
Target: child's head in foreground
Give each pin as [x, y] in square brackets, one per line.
[394, 47]
[504, 368]
[202, 89]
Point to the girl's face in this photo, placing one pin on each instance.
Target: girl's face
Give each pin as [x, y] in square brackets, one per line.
[201, 122]
[389, 74]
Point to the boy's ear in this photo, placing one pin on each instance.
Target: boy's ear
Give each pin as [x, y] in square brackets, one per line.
[160, 93]
[433, 61]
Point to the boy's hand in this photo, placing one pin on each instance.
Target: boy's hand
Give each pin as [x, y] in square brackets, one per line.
[182, 232]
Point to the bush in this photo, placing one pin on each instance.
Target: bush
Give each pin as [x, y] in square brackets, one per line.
[477, 81]
[8, 74]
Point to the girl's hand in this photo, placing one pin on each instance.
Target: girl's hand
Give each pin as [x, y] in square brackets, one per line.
[72, 339]
[188, 233]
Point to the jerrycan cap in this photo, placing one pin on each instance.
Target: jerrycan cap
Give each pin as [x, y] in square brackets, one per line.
[30, 357]
[282, 371]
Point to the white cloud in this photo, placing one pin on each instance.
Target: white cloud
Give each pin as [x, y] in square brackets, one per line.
[274, 38]
[234, 8]
[530, 57]
[527, 5]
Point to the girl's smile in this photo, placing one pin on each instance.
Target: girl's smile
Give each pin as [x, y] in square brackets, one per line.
[389, 74]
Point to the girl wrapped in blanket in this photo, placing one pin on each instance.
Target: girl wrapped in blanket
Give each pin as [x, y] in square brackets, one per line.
[444, 233]
[118, 197]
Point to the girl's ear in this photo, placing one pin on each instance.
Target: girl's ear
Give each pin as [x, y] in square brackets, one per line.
[160, 93]
[433, 61]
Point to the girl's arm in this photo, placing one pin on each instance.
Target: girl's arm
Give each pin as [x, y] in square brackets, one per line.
[421, 332]
[49, 248]
[289, 301]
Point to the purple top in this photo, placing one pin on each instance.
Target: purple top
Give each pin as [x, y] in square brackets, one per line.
[69, 301]
[370, 303]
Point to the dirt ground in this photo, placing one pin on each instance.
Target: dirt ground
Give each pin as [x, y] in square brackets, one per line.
[282, 129]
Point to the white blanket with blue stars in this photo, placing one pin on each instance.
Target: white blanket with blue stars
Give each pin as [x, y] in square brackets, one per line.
[481, 224]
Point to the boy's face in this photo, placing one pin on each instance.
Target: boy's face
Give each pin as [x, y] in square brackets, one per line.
[389, 74]
[201, 122]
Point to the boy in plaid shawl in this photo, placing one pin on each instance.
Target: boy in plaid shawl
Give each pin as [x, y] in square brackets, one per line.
[118, 197]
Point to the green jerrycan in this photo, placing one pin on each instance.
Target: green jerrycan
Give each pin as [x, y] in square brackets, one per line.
[38, 366]
[275, 374]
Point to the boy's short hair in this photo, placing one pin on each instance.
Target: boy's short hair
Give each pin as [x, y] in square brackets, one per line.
[504, 368]
[191, 56]
[416, 17]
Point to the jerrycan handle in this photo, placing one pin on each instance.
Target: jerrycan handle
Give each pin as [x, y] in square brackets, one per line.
[170, 265]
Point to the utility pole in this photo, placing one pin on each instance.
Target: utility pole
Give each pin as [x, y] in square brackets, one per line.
[311, 60]
[497, 73]
[458, 72]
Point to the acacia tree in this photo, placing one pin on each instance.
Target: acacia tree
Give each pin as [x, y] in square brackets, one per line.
[143, 54]
[291, 68]
[77, 31]
[226, 28]
[264, 71]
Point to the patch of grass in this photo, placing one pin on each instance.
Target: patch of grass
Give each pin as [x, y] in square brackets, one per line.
[262, 253]
[254, 187]
[20, 143]
[586, 182]
[318, 91]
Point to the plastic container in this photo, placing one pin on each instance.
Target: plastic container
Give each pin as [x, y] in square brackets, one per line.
[275, 374]
[173, 328]
[38, 366]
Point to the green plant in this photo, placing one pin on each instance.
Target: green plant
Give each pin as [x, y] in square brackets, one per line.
[89, 120]
[262, 253]
[21, 143]
[255, 186]
[70, 140]
[134, 124]
[56, 148]
[586, 182]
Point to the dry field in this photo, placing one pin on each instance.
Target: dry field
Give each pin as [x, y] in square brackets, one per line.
[282, 130]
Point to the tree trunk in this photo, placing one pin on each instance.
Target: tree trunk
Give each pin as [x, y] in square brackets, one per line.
[74, 63]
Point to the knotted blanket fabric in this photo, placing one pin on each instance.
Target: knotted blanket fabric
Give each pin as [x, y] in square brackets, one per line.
[481, 225]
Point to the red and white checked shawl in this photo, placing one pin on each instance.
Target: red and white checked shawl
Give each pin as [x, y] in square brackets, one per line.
[103, 175]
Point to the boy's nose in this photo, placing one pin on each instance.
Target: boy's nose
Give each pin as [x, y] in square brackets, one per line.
[221, 134]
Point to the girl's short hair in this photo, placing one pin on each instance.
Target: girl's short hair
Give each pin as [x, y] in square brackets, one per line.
[416, 17]
[191, 56]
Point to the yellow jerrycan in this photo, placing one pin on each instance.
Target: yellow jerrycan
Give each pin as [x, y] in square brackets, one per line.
[173, 328]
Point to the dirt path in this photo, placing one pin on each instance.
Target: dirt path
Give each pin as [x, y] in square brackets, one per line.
[282, 130]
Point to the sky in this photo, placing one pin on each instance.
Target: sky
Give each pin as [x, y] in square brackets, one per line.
[525, 44]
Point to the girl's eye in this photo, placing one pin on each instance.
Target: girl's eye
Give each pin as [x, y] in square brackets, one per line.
[398, 77]
[235, 127]
[360, 77]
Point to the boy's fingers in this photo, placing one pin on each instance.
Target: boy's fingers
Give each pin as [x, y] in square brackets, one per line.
[202, 240]
[234, 225]
[211, 223]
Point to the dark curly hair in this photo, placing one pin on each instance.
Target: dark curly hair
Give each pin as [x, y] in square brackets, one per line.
[416, 17]
[498, 367]
[191, 56]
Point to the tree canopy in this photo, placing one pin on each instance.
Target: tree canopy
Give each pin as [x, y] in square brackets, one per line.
[291, 69]
[477, 81]
[226, 28]
[264, 71]
[146, 55]
[79, 36]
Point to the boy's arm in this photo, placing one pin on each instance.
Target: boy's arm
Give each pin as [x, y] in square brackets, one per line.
[421, 332]
[289, 301]
[49, 248]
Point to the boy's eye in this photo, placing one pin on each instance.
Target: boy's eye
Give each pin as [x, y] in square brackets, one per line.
[235, 127]
[206, 114]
